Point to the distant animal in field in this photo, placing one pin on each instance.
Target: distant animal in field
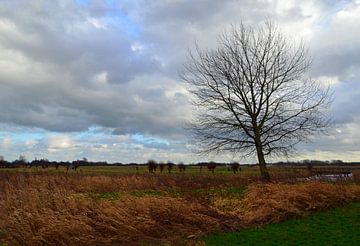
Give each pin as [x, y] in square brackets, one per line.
[211, 166]
[181, 167]
[235, 167]
[73, 166]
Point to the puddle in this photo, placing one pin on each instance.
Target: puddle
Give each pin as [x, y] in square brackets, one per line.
[330, 177]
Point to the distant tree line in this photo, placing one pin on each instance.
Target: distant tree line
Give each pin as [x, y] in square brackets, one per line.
[153, 166]
[45, 163]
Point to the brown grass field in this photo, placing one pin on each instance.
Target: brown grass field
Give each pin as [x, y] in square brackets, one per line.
[106, 207]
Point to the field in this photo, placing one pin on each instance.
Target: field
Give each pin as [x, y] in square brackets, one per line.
[128, 170]
[129, 206]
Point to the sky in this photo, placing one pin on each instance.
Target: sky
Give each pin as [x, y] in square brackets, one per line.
[100, 79]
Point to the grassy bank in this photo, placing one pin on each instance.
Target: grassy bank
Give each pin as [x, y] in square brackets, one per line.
[340, 226]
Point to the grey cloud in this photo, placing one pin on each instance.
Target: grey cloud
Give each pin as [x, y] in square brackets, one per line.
[346, 104]
[338, 61]
[73, 52]
[336, 45]
[172, 27]
[66, 67]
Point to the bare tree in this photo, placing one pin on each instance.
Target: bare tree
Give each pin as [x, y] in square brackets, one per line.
[170, 165]
[152, 165]
[252, 95]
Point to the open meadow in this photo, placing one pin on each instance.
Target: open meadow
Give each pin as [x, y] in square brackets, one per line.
[125, 205]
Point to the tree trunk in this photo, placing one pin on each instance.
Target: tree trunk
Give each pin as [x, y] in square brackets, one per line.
[260, 154]
[262, 163]
[263, 170]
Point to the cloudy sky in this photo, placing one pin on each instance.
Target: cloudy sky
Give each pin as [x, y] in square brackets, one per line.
[100, 79]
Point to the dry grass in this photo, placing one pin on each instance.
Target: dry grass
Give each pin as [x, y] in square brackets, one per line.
[78, 220]
[275, 202]
[103, 183]
[356, 175]
[57, 210]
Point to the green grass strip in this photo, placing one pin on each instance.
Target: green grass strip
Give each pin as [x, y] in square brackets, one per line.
[116, 195]
[339, 226]
[105, 195]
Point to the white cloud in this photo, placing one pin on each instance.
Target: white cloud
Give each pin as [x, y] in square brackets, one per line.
[328, 80]
[6, 143]
[30, 143]
[101, 78]
[97, 23]
[137, 47]
[59, 142]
